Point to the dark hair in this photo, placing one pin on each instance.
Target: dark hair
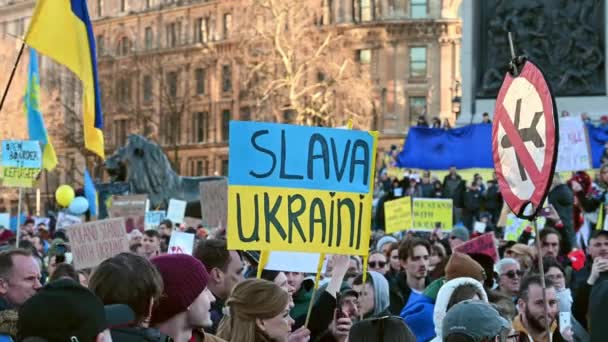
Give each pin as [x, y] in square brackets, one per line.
[29, 221]
[503, 304]
[548, 231]
[528, 281]
[127, 279]
[64, 270]
[6, 260]
[213, 253]
[133, 248]
[462, 293]
[383, 329]
[191, 230]
[549, 262]
[166, 223]
[269, 275]
[359, 279]
[391, 248]
[406, 249]
[152, 233]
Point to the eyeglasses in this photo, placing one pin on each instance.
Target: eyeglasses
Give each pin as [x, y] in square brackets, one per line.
[511, 274]
[376, 264]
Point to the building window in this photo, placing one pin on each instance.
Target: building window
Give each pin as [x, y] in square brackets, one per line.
[100, 44]
[227, 25]
[226, 78]
[120, 132]
[123, 5]
[226, 115]
[418, 9]
[225, 167]
[364, 10]
[149, 38]
[124, 46]
[123, 90]
[201, 30]
[201, 127]
[147, 88]
[99, 8]
[364, 56]
[418, 62]
[172, 34]
[172, 129]
[199, 77]
[417, 108]
[172, 84]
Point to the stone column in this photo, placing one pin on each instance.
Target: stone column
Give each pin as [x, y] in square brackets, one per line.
[446, 73]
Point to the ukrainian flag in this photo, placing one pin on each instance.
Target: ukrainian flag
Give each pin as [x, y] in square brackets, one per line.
[35, 123]
[62, 30]
[90, 193]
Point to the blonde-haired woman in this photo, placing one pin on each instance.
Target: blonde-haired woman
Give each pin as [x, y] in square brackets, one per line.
[258, 311]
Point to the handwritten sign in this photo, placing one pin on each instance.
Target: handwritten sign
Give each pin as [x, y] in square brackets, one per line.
[573, 150]
[483, 244]
[398, 215]
[154, 218]
[65, 220]
[176, 210]
[96, 241]
[298, 188]
[515, 226]
[432, 213]
[214, 202]
[21, 162]
[132, 208]
[5, 220]
[181, 243]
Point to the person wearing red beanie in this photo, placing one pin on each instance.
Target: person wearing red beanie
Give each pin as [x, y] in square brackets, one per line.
[185, 303]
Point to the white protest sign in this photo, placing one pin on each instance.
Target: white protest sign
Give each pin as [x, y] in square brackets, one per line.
[65, 220]
[181, 243]
[573, 151]
[5, 220]
[176, 211]
[293, 262]
[154, 218]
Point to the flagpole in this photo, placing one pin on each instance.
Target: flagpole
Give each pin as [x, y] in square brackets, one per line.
[10, 80]
[19, 216]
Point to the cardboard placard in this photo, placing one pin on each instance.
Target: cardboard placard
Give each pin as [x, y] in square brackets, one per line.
[176, 210]
[398, 215]
[132, 208]
[65, 220]
[432, 213]
[93, 242]
[181, 243]
[483, 244]
[299, 188]
[214, 202]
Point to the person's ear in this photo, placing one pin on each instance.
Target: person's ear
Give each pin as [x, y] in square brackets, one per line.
[260, 324]
[3, 286]
[521, 305]
[217, 275]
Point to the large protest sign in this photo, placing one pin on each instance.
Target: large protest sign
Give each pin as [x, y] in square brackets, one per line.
[65, 220]
[176, 210]
[132, 208]
[181, 243]
[154, 218]
[96, 241]
[483, 244]
[21, 162]
[297, 188]
[214, 202]
[398, 215]
[573, 151]
[430, 214]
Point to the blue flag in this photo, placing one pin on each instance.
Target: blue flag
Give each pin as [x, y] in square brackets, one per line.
[90, 193]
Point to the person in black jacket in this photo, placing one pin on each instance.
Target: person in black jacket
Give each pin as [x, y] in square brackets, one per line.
[472, 205]
[454, 188]
[562, 199]
[427, 188]
[492, 200]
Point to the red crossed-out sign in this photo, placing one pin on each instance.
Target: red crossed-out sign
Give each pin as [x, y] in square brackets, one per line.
[524, 140]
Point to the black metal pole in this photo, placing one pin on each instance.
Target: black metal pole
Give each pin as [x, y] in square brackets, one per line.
[10, 80]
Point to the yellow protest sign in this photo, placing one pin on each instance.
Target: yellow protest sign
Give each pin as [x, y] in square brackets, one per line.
[431, 213]
[398, 215]
[301, 189]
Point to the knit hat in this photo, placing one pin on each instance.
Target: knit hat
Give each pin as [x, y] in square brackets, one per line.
[461, 233]
[184, 279]
[462, 265]
[384, 240]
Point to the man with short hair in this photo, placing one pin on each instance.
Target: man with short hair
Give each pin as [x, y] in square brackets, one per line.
[414, 255]
[165, 228]
[19, 278]
[151, 243]
[531, 323]
[550, 240]
[474, 321]
[225, 270]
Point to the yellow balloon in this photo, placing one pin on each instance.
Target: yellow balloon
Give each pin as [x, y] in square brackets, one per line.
[64, 195]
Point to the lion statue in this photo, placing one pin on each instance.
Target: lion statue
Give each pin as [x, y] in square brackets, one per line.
[145, 167]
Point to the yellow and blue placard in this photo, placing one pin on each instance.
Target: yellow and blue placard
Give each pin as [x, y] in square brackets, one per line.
[298, 188]
[21, 162]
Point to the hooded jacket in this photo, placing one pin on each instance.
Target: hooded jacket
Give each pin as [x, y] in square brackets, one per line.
[381, 295]
[443, 299]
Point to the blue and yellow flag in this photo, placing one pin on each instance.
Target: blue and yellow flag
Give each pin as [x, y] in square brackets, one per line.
[63, 31]
[35, 122]
[90, 193]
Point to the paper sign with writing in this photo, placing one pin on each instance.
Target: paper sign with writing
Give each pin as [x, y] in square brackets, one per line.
[181, 243]
[214, 202]
[93, 242]
[573, 150]
[21, 162]
[65, 220]
[132, 208]
[398, 215]
[154, 218]
[5, 220]
[515, 226]
[298, 188]
[294, 262]
[483, 244]
[430, 214]
[176, 211]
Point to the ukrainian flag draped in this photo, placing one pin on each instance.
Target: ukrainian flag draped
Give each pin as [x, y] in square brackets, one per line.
[62, 30]
[35, 123]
